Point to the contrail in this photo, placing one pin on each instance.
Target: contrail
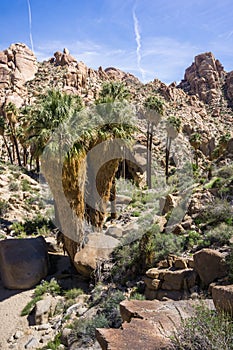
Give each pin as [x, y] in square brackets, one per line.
[30, 24]
[138, 41]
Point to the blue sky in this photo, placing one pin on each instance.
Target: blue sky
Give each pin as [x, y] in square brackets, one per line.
[149, 38]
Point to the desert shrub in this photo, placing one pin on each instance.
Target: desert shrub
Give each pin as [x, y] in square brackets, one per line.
[51, 287]
[110, 308]
[17, 229]
[108, 315]
[226, 172]
[73, 293]
[193, 239]
[39, 225]
[30, 305]
[137, 296]
[219, 235]
[53, 344]
[125, 258]
[155, 246]
[13, 186]
[3, 207]
[25, 184]
[206, 329]
[220, 210]
[229, 261]
[83, 330]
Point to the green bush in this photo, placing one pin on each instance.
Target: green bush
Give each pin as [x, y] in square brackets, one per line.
[206, 329]
[28, 308]
[219, 235]
[137, 296]
[25, 184]
[84, 329]
[125, 258]
[155, 246]
[220, 210]
[3, 207]
[110, 308]
[51, 287]
[73, 293]
[53, 344]
[13, 186]
[39, 225]
[229, 261]
[193, 239]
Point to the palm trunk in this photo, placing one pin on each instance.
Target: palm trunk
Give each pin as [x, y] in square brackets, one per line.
[37, 164]
[102, 164]
[168, 148]
[113, 199]
[196, 158]
[25, 157]
[8, 149]
[150, 156]
[147, 153]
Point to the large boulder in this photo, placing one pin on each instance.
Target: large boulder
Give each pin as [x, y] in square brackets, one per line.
[23, 262]
[97, 250]
[223, 298]
[210, 265]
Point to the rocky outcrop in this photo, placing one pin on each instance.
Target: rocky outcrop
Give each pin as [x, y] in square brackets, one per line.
[23, 262]
[204, 78]
[147, 324]
[63, 59]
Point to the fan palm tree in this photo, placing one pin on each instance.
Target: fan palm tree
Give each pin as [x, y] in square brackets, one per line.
[11, 113]
[113, 91]
[110, 95]
[49, 112]
[78, 165]
[2, 133]
[195, 141]
[173, 127]
[154, 111]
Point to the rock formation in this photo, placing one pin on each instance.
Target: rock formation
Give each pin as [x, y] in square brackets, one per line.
[18, 65]
[204, 78]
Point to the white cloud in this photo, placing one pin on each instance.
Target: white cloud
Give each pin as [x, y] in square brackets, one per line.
[30, 23]
[138, 42]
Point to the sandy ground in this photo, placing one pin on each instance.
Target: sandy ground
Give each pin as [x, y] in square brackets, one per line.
[11, 304]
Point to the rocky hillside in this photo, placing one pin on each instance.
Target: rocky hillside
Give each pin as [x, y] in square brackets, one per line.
[203, 99]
